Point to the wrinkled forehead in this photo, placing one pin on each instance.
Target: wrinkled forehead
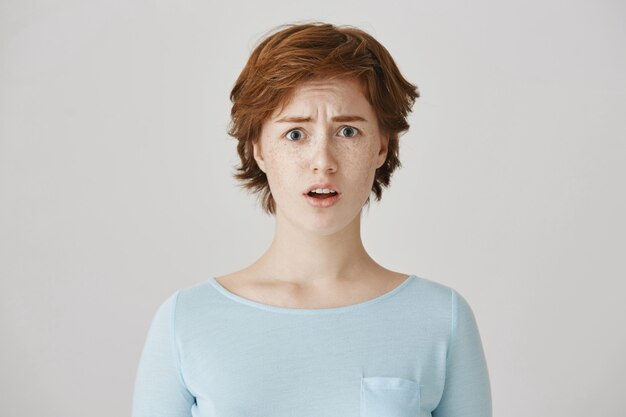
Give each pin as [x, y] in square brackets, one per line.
[337, 86]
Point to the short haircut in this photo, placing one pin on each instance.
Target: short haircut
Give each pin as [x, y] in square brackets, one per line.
[295, 53]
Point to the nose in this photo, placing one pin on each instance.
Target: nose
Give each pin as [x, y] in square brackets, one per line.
[323, 155]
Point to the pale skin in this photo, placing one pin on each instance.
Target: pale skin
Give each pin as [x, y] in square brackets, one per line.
[317, 258]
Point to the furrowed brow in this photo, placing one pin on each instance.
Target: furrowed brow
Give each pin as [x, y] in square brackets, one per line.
[342, 119]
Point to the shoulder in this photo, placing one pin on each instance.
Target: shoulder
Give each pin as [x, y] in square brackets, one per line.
[439, 300]
[433, 293]
[440, 293]
[184, 299]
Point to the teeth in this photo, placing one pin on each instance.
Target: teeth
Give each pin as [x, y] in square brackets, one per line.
[323, 191]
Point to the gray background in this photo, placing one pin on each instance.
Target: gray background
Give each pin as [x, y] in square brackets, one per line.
[116, 188]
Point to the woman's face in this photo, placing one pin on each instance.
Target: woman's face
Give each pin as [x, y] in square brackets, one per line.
[328, 132]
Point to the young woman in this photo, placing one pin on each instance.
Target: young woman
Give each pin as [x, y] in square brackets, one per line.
[315, 327]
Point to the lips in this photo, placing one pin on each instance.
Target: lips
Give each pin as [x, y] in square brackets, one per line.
[326, 200]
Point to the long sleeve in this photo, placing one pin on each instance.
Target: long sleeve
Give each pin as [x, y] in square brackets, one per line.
[467, 391]
[159, 389]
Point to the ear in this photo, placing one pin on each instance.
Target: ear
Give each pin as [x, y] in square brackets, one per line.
[384, 146]
[257, 153]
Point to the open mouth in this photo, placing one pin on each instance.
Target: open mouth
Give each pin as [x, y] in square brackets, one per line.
[321, 196]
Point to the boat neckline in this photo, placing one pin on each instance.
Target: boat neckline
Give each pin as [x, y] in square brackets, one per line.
[292, 310]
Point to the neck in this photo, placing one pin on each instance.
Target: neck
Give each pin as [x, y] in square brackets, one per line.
[309, 257]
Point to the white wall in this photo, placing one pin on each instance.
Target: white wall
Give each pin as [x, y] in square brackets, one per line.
[116, 188]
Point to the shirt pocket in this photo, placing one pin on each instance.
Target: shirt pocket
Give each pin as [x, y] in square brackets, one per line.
[387, 396]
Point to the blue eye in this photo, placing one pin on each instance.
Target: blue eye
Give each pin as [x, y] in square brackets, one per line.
[298, 134]
[349, 131]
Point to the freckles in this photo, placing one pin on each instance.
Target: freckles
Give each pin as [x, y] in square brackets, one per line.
[282, 162]
[361, 158]
[280, 154]
[352, 160]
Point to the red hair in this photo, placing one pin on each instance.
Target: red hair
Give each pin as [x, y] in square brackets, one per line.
[300, 52]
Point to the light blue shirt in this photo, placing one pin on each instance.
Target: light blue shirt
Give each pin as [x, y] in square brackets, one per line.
[414, 351]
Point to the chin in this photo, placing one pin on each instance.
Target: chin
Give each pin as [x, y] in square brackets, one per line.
[324, 225]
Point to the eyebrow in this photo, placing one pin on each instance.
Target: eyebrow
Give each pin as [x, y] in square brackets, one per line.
[343, 119]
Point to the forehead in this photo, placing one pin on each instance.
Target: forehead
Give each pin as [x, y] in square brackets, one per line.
[338, 94]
